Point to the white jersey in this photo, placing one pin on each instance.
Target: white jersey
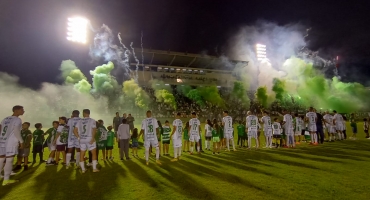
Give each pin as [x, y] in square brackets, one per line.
[288, 119]
[338, 119]
[252, 123]
[228, 124]
[328, 119]
[178, 133]
[276, 128]
[103, 133]
[72, 124]
[85, 128]
[194, 126]
[11, 132]
[150, 125]
[298, 124]
[266, 122]
[208, 129]
[312, 116]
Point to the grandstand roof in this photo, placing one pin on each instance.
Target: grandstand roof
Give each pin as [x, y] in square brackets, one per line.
[181, 59]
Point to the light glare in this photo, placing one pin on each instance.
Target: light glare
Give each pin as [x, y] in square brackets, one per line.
[77, 29]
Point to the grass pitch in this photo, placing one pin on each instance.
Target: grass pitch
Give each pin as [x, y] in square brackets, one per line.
[337, 170]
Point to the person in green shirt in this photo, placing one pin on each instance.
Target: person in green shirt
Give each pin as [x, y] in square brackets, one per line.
[51, 132]
[241, 134]
[216, 138]
[25, 152]
[38, 140]
[110, 142]
[166, 137]
[186, 137]
[353, 124]
[101, 137]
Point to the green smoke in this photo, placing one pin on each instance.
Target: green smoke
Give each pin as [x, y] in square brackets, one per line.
[134, 92]
[103, 82]
[166, 97]
[278, 88]
[195, 95]
[261, 95]
[163, 93]
[70, 72]
[72, 75]
[183, 89]
[211, 95]
[239, 93]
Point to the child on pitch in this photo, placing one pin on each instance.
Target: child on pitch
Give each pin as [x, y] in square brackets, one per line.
[176, 137]
[110, 142]
[102, 135]
[366, 128]
[353, 124]
[216, 138]
[25, 152]
[61, 139]
[186, 138]
[135, 142]
[344, 132]
[241, 134]
[222, 136]
[51, 132]
[38, 139]
[276, 130]
[297, 128]
[166, 138]
[208, 134]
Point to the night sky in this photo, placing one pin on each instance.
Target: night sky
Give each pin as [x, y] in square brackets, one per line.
[33, 44]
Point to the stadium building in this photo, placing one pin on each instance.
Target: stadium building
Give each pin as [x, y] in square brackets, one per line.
[176, 68]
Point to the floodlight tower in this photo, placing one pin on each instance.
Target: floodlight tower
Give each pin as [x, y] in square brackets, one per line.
[261, 52]
[77, 29]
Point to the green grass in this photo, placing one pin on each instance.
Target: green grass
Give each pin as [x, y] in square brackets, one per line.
[338, 170]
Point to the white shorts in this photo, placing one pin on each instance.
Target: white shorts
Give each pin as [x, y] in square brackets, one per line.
[252, 133]
[153, 143]
[51, 147]
[339, 127]
[229, 135]
[194, 138]
[331, 129]
[8, 151]
[267, 132]
[87, 146]
[289, 131]
[74, 143]
[298, 133]
[312, 128]
[177, 143]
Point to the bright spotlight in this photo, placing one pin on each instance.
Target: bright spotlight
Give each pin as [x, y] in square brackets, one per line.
[77, 29]
[261, 52]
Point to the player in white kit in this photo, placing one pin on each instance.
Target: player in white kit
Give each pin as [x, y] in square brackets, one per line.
[73, 142]
[149, 127]
[85, 131]
[251, 127]
[227, 122]
[194, 125]
[10, 138]
[311, 118]
[176, 137]
[267, 129]
[338, 122]
[328, 120]
[289, 129]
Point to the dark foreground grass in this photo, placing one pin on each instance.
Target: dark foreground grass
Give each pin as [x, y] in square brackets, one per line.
[338, 170]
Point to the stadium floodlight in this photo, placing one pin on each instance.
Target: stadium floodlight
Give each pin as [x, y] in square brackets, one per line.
[261, 52]
[77, 29]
